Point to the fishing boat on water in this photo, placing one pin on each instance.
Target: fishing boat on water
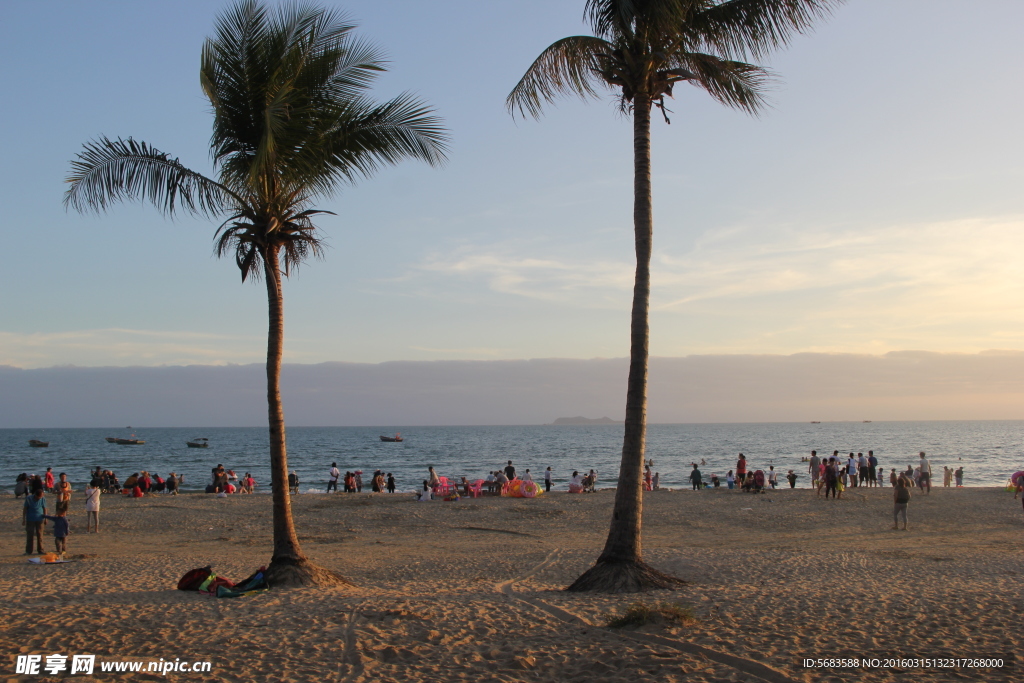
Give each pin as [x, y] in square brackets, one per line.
[198, 443]
[129, 442]
[392, 439]
[36, 443]
[111, 439]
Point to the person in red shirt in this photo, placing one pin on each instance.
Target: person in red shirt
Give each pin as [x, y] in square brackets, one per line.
[741, 467]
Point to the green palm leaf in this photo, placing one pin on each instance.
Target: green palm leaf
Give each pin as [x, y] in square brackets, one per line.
[570, 66]
[108, 171]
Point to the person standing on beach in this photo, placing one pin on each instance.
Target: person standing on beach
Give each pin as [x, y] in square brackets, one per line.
[63, 491]
[33, 518]
[695, 478]
[812, 468]
[510, 472]
[332, 477]
[61, 530]
[851, 470]
[656, 481]
[862, 469]
[773, 477]
[357, 478]
[872, 469]
[791, 476]
[901, 498]
[831, 478]
[92, 506]
[741, 467]
[926, 475]
[391, 483]
[959, 474]
[547, 479]
[730, 480]
[527, 476]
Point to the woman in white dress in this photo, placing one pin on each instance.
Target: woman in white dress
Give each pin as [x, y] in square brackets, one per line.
[92, 507]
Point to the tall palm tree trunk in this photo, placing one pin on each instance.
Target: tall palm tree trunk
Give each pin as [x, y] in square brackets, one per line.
[620, 568]
[288, 566]
[286, 542]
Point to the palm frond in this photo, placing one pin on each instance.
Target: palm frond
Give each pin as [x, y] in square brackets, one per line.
[569, 66]
[615, 18]
[107, 171]
[366, 137]
[733, 83]
[753, 28]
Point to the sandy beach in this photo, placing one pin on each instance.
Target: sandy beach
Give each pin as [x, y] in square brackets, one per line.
[470, 590]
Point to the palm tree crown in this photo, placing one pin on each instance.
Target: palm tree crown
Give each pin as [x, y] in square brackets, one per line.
[292, 122]
[645, 47]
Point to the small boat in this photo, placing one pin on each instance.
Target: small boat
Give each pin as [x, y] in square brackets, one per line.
[111, 439]
[866, 421]
[198, 443]
[130, 442]
[392, 439]
[36, 443]
[815, 422]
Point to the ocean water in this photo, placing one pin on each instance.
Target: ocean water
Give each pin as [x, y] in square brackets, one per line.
[989, 451]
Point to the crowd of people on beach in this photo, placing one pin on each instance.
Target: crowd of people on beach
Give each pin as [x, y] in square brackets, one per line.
[353, 481]
[499, 482]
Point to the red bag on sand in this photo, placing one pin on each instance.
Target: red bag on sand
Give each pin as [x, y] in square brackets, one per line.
[194, 578]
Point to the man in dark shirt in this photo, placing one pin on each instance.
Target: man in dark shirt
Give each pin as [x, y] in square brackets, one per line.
[510, 471]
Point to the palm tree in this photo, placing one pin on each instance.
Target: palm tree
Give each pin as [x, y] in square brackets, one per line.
[292, 123]
[642, 49]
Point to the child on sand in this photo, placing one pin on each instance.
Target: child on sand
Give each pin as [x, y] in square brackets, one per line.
[61, 529]
[391, 483]
[792, 479]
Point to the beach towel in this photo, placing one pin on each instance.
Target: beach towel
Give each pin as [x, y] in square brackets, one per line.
[250, 586]
[45, 560]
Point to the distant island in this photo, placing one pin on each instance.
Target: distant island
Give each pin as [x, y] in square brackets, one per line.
[580, 420]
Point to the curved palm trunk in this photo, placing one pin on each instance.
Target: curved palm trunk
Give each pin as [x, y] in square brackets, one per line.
[620, 568]
[286, 542]
[288, 566]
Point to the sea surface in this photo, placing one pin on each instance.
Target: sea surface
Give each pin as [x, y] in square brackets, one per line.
[989, 451]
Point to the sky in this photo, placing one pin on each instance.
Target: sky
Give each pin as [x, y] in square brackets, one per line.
[874, 208]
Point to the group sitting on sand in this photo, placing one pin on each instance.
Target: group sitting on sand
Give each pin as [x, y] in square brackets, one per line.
[225, 482]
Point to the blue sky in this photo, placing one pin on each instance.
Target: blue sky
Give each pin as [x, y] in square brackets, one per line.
[875, 207]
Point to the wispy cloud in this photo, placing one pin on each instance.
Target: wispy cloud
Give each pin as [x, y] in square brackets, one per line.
[551, 279]
[951, 285]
